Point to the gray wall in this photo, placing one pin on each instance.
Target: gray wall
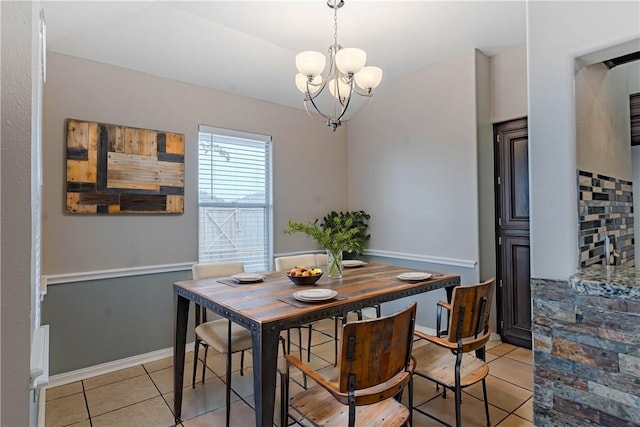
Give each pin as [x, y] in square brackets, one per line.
[99, 321]
[603, 129]
[92, 91]
[18, 133]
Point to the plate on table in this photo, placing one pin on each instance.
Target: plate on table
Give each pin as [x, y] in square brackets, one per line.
[247, 277]
[414, 276]
[313, 295]
[352, 263]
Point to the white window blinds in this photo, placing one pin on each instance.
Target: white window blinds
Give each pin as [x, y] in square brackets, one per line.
[234, 198]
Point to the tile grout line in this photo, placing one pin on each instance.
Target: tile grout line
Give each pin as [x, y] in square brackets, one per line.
[86, 403]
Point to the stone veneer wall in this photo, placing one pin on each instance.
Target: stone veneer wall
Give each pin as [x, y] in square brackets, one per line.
[605, 207]
[586, 357]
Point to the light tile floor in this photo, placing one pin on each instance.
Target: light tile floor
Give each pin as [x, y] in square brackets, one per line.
[143, 395]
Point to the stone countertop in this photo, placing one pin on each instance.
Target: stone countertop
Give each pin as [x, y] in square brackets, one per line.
[611, 282]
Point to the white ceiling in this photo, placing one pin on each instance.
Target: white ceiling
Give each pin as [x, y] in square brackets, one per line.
[249, 47]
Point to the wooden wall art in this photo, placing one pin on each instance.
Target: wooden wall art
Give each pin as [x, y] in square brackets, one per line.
[115, 169]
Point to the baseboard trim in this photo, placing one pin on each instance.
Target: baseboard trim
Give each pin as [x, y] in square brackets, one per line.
[116, 365]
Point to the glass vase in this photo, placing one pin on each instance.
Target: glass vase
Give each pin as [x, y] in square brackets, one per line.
[334, 264]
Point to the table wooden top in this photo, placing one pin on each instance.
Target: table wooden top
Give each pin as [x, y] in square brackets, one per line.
[266, 302]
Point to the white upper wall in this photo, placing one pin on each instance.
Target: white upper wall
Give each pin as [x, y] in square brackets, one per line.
[508, 73]
[309, 164]
[413, 162]
[603, 129]
[557, 32]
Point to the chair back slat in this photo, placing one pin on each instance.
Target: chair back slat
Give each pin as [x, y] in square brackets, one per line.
[470, 309]
[374, 351]
[285, 263]
[216, 269]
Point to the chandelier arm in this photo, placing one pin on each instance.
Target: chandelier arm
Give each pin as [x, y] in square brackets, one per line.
[344, 107]
[318, 110]
[361, 109]
[309, 113]
[368, 94]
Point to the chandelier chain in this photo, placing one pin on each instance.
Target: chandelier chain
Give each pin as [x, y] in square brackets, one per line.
[335, 28]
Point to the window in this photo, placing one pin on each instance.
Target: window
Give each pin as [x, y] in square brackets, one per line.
[234, 198]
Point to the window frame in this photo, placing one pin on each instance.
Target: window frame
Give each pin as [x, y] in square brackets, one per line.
[248, 139]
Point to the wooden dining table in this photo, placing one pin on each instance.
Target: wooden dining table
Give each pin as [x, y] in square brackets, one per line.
[266, 308]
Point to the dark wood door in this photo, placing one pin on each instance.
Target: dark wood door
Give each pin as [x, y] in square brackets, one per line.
[512, 231]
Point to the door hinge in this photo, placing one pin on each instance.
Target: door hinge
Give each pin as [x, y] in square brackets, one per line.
[500, 283]
[498, 180]
[502, 325]
[500, 221]
[500, 242]
[498, 137]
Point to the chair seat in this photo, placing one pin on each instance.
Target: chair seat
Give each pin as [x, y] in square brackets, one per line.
[214, 333]
[438, 364]
[321, 408]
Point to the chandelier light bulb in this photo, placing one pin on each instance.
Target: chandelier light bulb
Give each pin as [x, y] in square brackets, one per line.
[314, 85]
[340, 91]
[368, 78]
[350, 60]
[310, 62]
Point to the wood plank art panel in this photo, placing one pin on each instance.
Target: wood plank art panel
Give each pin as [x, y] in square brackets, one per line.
[114, 169]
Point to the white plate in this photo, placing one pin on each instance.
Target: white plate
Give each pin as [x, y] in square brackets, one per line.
[414, 276]
[351, 263]
[247, 277]
[311, 295]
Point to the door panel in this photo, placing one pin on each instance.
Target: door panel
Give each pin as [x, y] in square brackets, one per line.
[512, 232]
[517, 301]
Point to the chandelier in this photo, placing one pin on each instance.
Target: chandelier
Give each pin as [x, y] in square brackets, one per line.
[345, 76]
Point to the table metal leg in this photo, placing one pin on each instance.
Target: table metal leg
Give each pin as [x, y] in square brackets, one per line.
[182, 316]
[449, 290]
[265, 365]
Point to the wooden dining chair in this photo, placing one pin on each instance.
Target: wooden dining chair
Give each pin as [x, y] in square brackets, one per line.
[221, 334]
[449, 360]
[322, 259]
[374, 368]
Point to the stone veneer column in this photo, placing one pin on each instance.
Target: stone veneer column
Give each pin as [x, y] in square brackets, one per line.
[586, 357]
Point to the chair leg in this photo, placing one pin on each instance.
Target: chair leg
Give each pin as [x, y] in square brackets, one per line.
[458, 389]
[411, 401]
[204, 362]
[284, 397]
[308, 344]
[335, 340]
[195, 362]
[486, 402]
[458, 393]
[242, 363]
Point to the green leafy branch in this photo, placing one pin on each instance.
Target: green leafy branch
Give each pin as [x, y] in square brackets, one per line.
[335, 240]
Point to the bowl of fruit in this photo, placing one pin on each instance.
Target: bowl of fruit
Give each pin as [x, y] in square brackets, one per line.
[304, 275]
